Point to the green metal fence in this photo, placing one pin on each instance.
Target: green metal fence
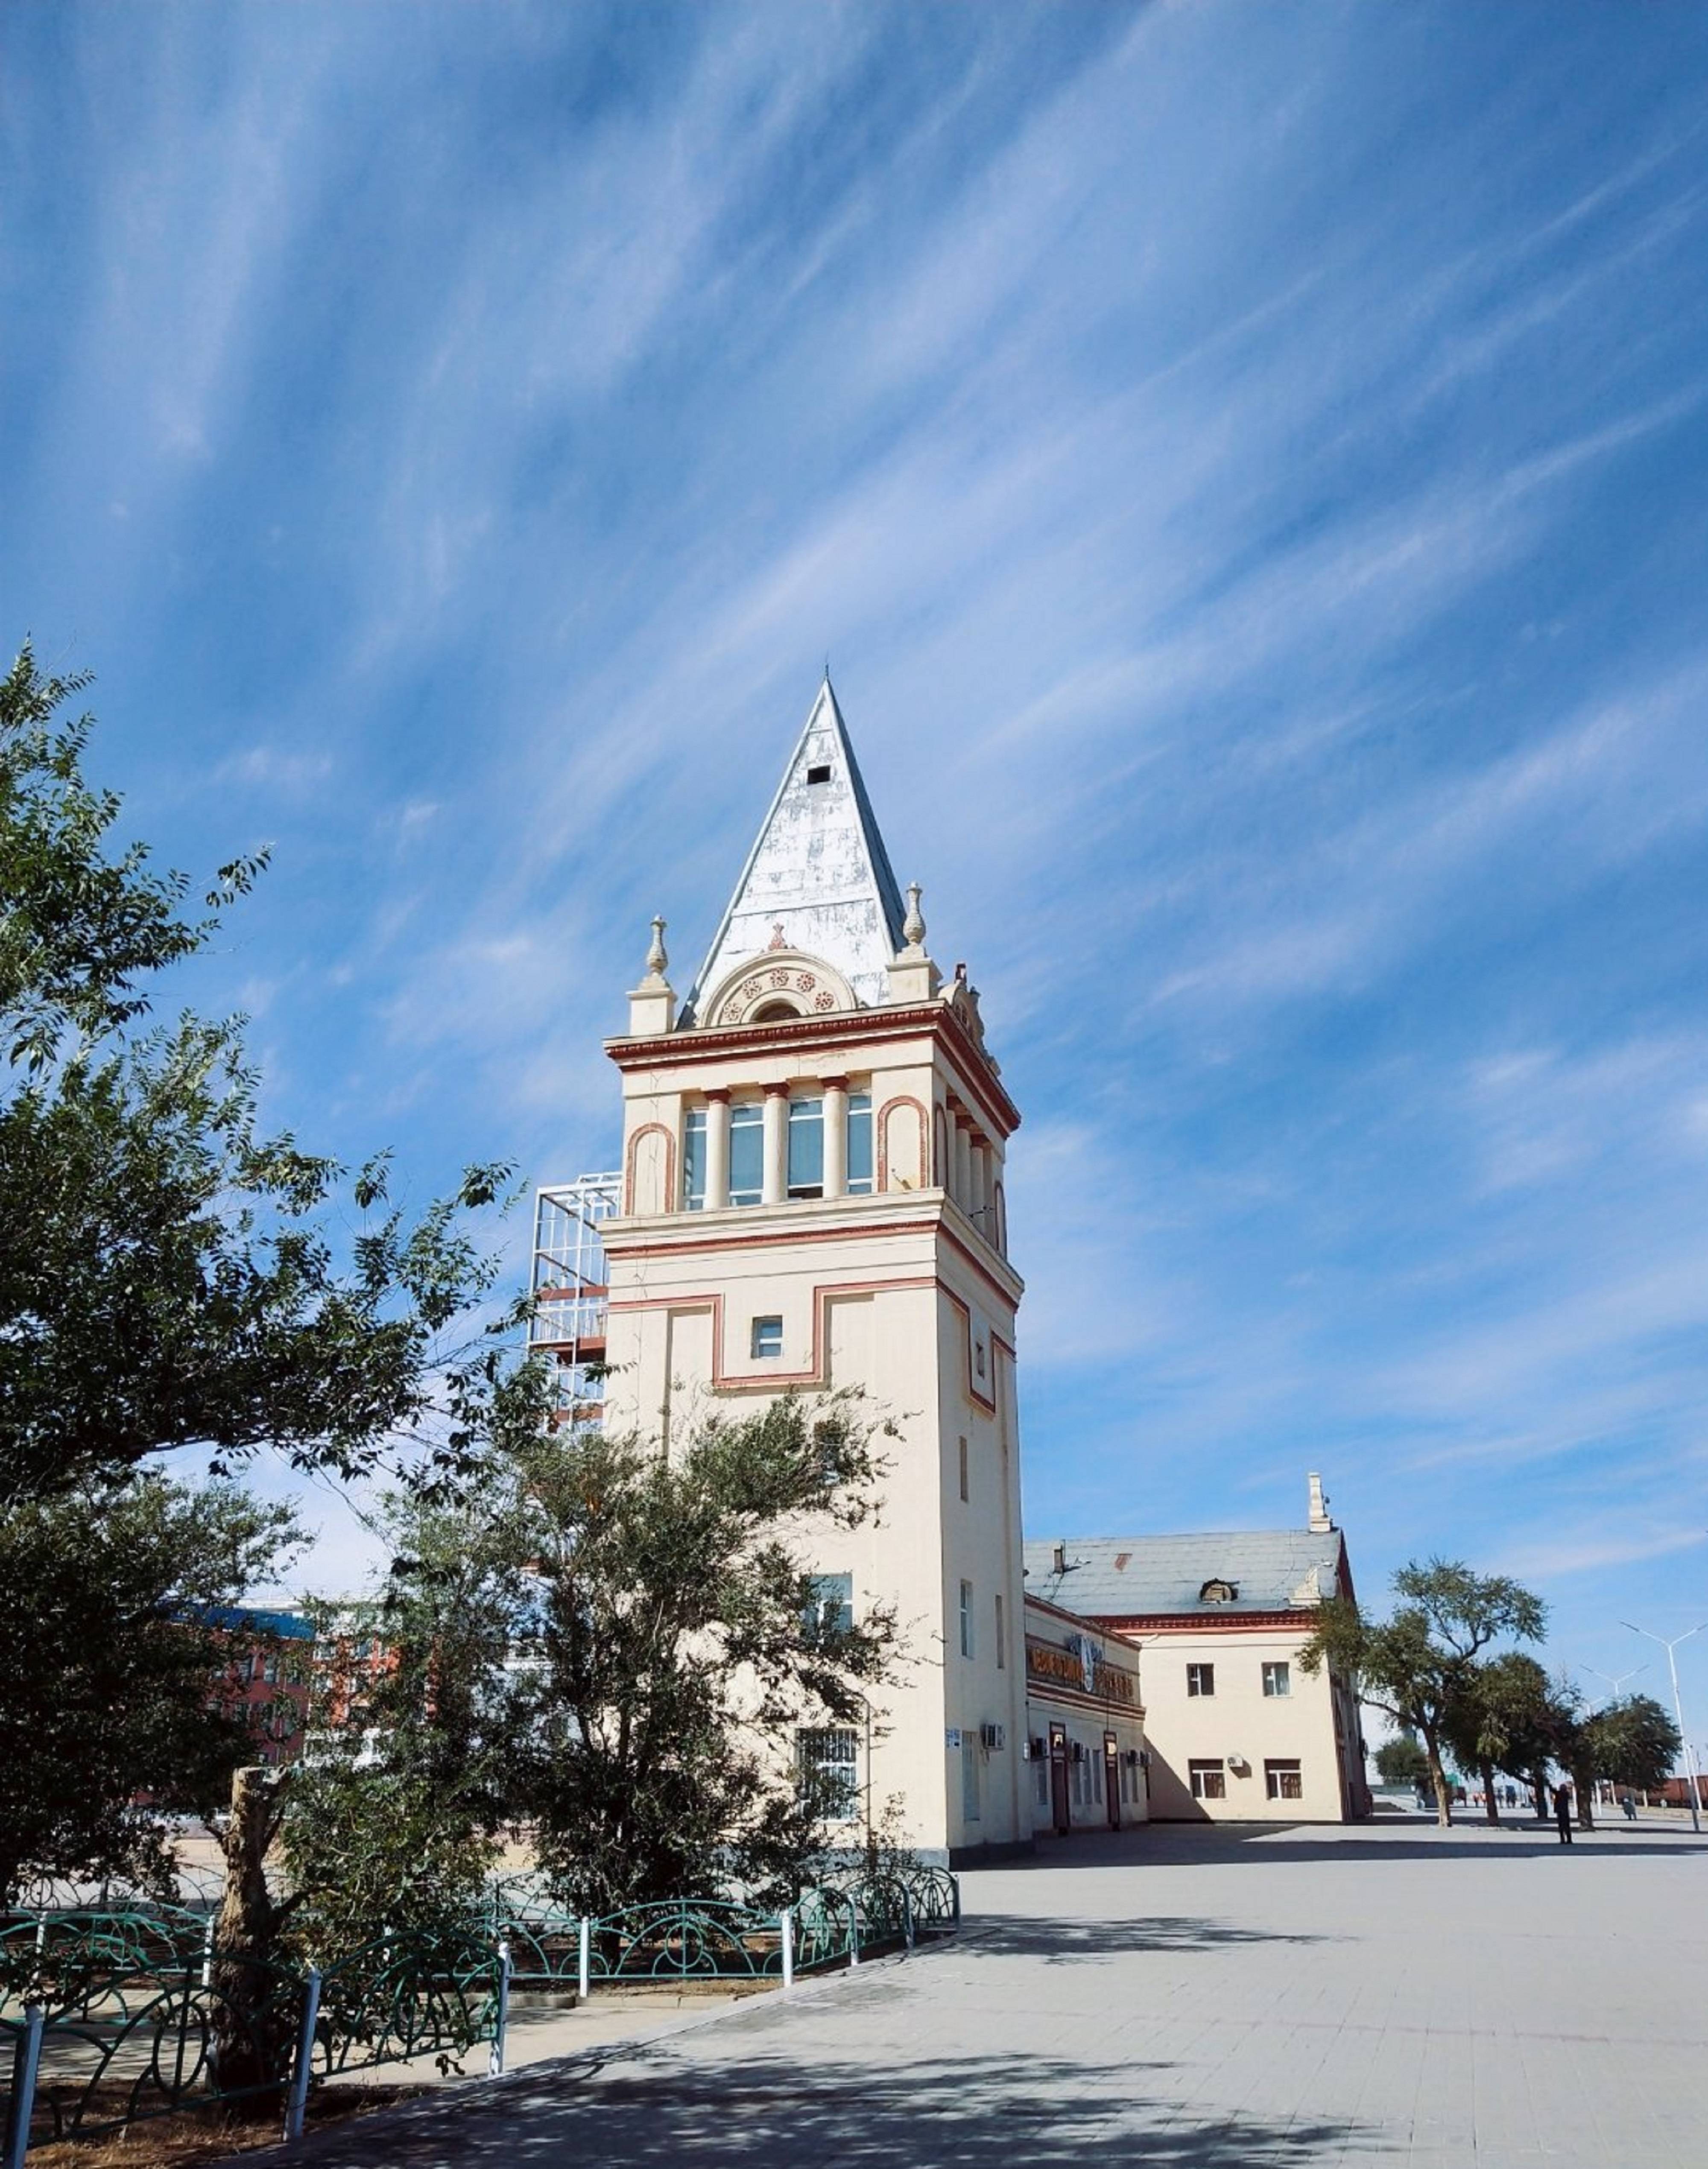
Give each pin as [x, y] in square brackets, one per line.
[109, 2019]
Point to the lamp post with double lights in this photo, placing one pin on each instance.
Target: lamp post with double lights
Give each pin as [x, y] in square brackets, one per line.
[1678, 1707]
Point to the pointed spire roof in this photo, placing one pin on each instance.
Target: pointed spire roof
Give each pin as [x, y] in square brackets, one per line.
[818, 870]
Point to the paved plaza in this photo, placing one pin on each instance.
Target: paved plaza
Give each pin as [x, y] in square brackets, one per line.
[1388, 1994]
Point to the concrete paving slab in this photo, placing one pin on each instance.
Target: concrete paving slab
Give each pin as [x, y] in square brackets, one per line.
[1471, 1999]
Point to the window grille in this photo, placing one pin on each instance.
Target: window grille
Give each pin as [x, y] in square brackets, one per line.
[827, 1761]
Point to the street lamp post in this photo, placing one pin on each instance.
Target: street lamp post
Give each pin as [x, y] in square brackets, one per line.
[1678, 1707]
[1615, 1682]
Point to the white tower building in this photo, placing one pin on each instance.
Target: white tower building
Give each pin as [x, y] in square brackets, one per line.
[812, 1196]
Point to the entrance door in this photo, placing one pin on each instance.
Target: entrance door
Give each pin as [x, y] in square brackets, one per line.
[1060, 1812]
[1111, 1780]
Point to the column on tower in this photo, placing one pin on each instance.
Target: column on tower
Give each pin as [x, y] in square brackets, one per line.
[963, 1158]
[717, 1150]
[776, 1145]
[978, 1190]
[835, 1135]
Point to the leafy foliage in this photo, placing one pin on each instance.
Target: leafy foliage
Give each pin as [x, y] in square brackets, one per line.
[1401, 1761]
[107, 1668]
[1422, 1665]
[617, 1646]
[1633, 1742]
[171, 1277]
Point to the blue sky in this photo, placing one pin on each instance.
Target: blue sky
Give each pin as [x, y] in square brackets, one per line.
[1245, 468]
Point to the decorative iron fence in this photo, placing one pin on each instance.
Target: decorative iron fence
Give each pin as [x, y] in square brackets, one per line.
[110, 2019]
[133, 2044]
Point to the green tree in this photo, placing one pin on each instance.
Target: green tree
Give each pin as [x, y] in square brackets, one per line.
[110, 1717]
[1506, 1719]
[171, 1277]
[1633, 1743]
[1420, 1666]
[619, 1647]
[1401, 1761]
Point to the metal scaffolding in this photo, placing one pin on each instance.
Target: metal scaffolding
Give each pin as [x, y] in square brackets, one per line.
[567, 1327]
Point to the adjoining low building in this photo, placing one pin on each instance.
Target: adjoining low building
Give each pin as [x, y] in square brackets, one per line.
[1236, 1731]
[1085, 1749]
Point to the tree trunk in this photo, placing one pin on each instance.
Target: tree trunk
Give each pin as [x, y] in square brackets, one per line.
[1438, 1778]
[1490, 1806]
[1539, 1787]
[1583, 1784]
[254, 2020]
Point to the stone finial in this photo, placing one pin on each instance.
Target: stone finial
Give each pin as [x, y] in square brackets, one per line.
[778, 939]
[913, 931]
[1319, 1524]
[652, 1005]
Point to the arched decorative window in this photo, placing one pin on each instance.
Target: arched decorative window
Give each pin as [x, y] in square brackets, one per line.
[1218, 1592]
[774, 1013]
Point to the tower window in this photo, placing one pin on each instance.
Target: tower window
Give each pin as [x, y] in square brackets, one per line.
[694, 1160]
[1001, 1637]
[767, 1336]
[966, 1618]
[830, 1606]
[746, 1152]
[964, 1472]
[806, 1147]
[820, 772]
[859, 1144]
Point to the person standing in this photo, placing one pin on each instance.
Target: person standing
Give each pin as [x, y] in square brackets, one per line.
[1562, 1809]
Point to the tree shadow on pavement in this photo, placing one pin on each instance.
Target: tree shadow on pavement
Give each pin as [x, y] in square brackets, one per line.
[1059, 1942]
[777, 2112]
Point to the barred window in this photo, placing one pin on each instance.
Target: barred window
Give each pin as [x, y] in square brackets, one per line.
[827, 1762]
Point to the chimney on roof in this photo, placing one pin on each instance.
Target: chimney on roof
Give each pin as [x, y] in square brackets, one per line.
[1058, 1561]
[1319, 1524]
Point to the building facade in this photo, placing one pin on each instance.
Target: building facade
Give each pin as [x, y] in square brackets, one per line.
[1234, 1730]
[1085, 1747]
[812, 1197]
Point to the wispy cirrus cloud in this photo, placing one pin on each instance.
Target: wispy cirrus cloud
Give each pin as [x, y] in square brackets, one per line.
[1241, 469]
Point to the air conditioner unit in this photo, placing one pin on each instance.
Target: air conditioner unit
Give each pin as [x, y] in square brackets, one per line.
[992, 1736]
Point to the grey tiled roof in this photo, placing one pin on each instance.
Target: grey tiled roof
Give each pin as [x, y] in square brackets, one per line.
[1109, 1577]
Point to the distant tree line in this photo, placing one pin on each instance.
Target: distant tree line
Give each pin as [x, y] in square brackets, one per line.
[1441, 1665]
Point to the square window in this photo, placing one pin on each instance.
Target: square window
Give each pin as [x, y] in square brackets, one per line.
[1277, 1679]
[767, 1336]
[820, 772]
[1201, 1680]
[1209, 1781]
[1284, 1781]
[830, 1607]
